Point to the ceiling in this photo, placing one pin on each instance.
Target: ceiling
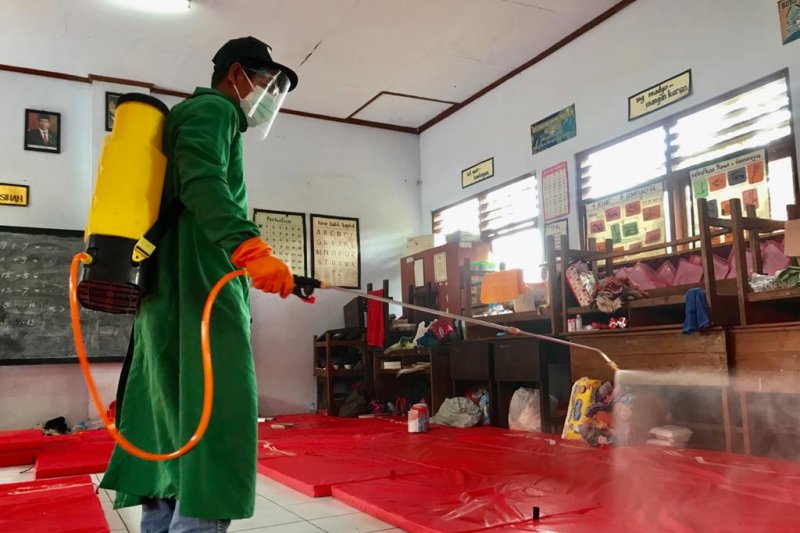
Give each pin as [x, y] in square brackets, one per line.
[386, 54]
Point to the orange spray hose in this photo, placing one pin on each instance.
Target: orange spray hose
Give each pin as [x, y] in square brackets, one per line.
[208, 373]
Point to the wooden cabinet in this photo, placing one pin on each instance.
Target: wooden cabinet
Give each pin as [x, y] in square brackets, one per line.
[532, 363]
[442, 294]
[391, 383]
[339, 362]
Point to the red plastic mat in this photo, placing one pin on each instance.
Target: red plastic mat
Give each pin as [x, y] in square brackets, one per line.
[68, 455]
[314, 474]
[490, 479]
[67, 505]
[23, 439]
[18, 458]
[629, 489]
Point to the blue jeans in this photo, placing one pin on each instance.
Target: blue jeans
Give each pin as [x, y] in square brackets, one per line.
[164, 516]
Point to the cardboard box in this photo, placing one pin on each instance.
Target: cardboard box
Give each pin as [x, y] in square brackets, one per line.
[420, 243]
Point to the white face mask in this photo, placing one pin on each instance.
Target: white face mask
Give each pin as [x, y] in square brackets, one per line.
[262, 104]
[258, 107]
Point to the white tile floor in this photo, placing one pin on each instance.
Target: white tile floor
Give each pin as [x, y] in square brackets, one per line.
[279, 509]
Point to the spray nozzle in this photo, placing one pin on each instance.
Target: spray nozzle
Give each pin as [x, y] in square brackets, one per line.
[304, 288]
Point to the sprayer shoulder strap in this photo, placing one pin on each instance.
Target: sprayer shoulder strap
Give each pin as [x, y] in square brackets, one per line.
[167, 218]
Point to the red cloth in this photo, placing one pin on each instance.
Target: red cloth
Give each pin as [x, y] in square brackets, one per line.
[376, 321]
[67, 504]
[489, 479]
[81, 453]
[21, 439]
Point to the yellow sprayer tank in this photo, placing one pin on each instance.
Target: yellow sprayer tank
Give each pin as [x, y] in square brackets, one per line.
[125, 205]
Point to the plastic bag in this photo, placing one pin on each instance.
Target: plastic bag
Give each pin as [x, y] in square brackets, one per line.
[524, 412]
[458, 413]
[581, 280]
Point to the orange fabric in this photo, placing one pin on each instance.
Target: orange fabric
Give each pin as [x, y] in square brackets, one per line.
[503, 286]
[269, 273]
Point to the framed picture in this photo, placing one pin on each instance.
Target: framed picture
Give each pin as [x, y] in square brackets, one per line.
[111, 109]
[336, 251]
[286, 233]
[42, 131]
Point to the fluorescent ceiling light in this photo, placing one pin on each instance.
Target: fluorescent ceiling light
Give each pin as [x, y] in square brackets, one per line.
[157, 6]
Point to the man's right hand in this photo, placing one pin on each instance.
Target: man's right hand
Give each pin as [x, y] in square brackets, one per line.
[269, 273]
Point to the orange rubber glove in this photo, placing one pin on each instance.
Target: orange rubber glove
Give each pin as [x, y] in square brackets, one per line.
[269, 273]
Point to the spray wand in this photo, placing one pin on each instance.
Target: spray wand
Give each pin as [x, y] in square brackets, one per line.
[307, 286]
[304, 289]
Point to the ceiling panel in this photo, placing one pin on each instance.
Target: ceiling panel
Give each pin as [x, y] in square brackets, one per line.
[401, 110]
[345, 51]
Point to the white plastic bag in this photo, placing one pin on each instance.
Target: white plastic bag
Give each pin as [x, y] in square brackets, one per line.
[458, 413]
[524, 413]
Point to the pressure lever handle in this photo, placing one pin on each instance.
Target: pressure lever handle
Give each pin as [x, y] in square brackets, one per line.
[304, 288]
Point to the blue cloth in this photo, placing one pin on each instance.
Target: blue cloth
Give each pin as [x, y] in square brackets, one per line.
[164, 516]
[696, 311]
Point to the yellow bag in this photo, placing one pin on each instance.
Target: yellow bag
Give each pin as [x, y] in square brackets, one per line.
[579, 401]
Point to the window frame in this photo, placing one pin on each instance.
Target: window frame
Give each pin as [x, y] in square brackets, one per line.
[481, 195]
[675, 181]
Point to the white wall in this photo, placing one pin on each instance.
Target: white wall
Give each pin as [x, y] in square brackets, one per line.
[726, 43]
[327, 168]
[60, 191]
[306, 165]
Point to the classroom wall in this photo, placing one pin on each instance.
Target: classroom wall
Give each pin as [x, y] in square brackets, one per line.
[327, 168]
[305, 165]
[726, 43]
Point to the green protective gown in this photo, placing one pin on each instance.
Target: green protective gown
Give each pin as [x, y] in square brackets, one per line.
[164, 391]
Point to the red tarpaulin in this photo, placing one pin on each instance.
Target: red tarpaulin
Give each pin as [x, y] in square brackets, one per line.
[490, 479]
[66, 505]
[82, 453]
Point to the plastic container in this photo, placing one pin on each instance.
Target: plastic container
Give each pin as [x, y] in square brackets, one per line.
[578, 322]
[418, 418]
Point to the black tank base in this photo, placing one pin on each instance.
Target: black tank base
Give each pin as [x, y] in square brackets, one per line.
[113, 282]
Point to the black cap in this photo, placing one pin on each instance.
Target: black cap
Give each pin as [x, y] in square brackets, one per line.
[253, 54]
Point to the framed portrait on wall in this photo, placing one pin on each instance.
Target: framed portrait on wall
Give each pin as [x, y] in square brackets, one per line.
[286, 233]
[111, 109]
[42, 131]
[336, 250]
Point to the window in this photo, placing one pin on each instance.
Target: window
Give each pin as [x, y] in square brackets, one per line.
[624, 165]
[757, 117]
[506, 217]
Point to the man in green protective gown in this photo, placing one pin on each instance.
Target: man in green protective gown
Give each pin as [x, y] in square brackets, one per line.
[163, 393]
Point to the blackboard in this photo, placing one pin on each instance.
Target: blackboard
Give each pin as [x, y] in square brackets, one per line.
[35, 322]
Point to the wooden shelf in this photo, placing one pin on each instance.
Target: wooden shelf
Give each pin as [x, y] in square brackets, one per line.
[656, 301]
[414, 352]
[511, 318]
[778, 294]
[424, 371]
[341, 373]
[323, 344]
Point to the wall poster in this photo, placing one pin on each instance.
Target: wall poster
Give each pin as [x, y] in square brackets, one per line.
[554, 129]
[335, 251]
[11, 194]
[632, 219]
[556, 229]
[555, 192]
[742, 176]
[789, 11]
[286, 233]
[478, 172]
[660, 96]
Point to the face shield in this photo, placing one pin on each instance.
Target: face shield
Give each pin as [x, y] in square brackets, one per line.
[262, 104]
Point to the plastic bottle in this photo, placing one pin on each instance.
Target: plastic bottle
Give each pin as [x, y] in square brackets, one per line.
[418, 417]
[578, 323]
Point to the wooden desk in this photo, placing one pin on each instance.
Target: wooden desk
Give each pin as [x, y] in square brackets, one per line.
[389, 385]
[766, 363]
[520, 362]
[694, 365]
